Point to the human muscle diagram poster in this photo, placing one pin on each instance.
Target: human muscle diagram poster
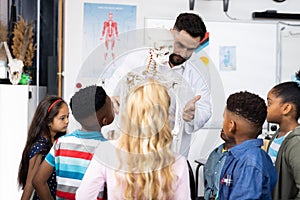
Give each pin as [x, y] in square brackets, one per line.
[102, 24]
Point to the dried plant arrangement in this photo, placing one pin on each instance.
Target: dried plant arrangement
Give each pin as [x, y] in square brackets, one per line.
[3, 38]
[22, 42]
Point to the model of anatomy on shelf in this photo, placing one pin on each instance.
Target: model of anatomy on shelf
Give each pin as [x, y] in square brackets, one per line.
[22, 49]
[110, 32]
[14, 66]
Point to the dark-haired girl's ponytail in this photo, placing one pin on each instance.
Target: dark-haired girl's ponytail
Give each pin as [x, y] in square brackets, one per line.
[296, 78]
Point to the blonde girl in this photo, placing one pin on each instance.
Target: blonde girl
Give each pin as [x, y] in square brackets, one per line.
[140, 164]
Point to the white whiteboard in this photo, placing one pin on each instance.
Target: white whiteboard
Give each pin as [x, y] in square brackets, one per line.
[289, 49]
[255, 49]
[256, 55]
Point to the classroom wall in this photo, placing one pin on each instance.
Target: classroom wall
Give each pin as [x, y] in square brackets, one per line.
[242, 9]
[211, 10]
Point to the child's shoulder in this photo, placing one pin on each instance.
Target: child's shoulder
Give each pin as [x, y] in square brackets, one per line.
[68, 138]
[41, 145]
[80, 134]
[293, 137]
[256, 157]
[292, 141]
[296, 131]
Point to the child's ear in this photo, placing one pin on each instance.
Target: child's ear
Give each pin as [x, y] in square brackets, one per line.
[287, 108]
[232, 126]
[104, 121]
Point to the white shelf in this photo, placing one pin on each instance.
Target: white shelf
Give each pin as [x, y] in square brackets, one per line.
[16, 112]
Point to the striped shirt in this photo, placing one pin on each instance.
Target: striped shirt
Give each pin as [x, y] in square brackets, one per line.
[70, 156]
[275, 145]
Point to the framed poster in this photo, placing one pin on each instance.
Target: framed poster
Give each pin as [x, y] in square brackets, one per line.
[102, 23]
[84, 44]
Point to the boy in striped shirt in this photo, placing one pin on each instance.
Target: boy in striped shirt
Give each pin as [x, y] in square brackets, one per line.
[71, 154]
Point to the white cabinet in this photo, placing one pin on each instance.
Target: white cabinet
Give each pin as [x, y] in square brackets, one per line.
[16, 112]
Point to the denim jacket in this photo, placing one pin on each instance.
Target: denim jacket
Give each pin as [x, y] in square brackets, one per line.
[212, 170]
[248, 173]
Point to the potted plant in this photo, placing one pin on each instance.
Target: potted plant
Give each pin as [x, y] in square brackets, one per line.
[23, 47]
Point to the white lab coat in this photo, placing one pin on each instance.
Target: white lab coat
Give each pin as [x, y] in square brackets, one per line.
[195, 80]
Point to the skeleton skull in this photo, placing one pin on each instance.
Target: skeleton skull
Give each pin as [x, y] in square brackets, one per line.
[15, 67]
[162, 51]
[161, 42]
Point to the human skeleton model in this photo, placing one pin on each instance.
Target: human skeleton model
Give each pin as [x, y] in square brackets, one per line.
[15, 66]
[159, 56]
[110, 30]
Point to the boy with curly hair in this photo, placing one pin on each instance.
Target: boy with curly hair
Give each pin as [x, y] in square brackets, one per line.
[248, 172]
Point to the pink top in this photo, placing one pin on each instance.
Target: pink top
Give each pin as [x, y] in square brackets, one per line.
[102, 169]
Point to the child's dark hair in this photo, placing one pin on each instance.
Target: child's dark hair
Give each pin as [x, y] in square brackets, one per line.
[47, 109]
[87, 101]
[289, 92]
[249, 106]
[191, 23]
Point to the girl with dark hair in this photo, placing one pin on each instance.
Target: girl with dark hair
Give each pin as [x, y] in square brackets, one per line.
[50, 121]
[284, 147]
[70, 155]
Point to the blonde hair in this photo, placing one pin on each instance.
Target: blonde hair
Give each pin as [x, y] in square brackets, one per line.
[146, 139]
